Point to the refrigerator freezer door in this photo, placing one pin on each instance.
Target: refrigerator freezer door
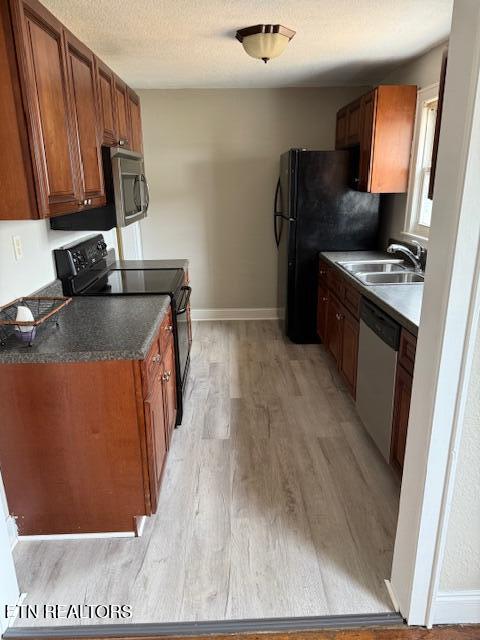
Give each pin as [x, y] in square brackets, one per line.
[284, 221]
[330, 216]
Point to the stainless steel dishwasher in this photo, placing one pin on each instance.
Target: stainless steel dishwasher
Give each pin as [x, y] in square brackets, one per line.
[377, 363]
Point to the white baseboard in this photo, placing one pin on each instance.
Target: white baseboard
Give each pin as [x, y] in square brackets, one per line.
[392, 595]
[12, 531]
[235, 314]
[457, 607]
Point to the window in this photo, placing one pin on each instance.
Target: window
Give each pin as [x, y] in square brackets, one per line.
[419, 207]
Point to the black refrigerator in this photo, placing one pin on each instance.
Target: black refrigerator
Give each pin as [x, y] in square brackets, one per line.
[316, 209]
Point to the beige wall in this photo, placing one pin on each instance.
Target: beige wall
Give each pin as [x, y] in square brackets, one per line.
[212, 159]
[461, 567]
[422, 71]
[36, 268]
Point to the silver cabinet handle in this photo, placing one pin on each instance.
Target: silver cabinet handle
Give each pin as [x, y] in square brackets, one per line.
[89, 201]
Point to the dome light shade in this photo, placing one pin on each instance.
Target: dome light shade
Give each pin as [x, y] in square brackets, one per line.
[265, 41]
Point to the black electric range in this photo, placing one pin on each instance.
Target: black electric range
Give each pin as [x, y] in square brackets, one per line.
[83, 269]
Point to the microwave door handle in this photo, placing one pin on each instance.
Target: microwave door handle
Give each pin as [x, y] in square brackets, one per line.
[147, 192]
[130, 216]
[136, 182]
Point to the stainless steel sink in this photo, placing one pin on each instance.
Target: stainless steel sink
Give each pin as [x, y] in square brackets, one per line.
[399, 277]
[370, 266]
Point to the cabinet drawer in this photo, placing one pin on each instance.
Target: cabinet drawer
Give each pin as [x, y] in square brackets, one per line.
[151, 366]
[352, 299]
[166, 331]
[406, 353]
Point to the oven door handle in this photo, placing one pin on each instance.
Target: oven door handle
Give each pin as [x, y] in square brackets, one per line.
[186, 300]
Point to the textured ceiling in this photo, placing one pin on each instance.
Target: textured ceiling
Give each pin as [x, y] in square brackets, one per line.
[190, 43]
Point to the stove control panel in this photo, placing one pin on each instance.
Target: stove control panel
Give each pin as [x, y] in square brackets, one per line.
[80, 257]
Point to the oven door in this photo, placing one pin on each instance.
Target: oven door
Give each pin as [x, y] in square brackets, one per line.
[183, 331]
[130, 187]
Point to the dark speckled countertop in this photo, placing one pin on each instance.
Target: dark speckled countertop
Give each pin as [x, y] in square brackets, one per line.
[403, 302]
[97, 328]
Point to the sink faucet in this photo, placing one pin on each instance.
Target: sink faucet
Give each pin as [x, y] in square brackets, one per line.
[415, 258]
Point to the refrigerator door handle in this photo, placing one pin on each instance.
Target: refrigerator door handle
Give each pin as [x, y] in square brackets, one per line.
[278, 232]
[275, 202]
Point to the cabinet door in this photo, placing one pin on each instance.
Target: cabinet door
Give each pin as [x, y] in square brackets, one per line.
[401, 412]
[368, 106]
[122, 114]
[349, 358]
[354, 122]
[81, 69]
[50, 114]
[16, 178]
[106, 101]
[170, 393]
[341, 130]
[391, 138]
[156, 439]
[322, 308]
[334, 327]
[135, 122]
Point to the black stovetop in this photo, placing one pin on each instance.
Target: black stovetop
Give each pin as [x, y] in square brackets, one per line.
[137, 282]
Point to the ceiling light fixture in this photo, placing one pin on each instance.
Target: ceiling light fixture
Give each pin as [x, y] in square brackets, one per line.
[265, 41]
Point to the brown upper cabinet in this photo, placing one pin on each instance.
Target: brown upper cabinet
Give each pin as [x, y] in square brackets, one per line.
[354, 123]
[341, 129]
[16, 176]
[122, 114]
[59, 105]
[380, 126]
[48, 107]
[135, 122]
[81, 67]
[107, 107]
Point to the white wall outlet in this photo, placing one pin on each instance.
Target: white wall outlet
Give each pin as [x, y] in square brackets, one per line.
[17, 247]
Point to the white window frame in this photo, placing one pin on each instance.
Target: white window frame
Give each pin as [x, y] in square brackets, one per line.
[412, 229]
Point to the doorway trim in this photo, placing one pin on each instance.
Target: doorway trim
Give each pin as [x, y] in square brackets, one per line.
[450, 316]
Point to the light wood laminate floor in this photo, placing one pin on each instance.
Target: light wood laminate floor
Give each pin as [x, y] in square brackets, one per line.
[275, 502]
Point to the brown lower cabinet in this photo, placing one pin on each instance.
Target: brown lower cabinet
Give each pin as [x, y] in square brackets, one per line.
[333, 338]
[348, 362]
[88, 456]
[338, 327]
[338, 308]
[403, 393]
